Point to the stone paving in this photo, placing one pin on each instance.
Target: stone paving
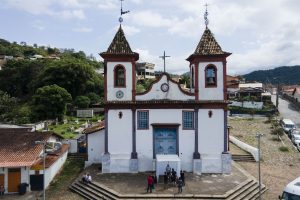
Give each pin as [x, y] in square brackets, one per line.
[208, 184]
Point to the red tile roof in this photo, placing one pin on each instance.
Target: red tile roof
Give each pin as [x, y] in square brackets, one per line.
[18, 148]
[50, 159]
[208, 45]
[99, 126]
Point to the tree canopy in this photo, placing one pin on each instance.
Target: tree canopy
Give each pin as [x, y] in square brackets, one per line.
[50, 102]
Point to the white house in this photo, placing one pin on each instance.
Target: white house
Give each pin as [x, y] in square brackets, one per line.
[21, 162]
[187, 127]
[95, 143]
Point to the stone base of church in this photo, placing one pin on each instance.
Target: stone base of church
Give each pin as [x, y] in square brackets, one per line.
[226, 163]
[123, 163]
[197, 166]
[105, 163]
[118, 163]
[213, 164]
[134, 165]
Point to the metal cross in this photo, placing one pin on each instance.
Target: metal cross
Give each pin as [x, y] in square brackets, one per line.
[164, 58]
[205, 15]
[122, 12]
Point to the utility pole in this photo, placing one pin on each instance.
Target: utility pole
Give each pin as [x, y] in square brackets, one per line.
[277, 95]
[258, 136]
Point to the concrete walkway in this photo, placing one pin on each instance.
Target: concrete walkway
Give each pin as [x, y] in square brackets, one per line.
[206, 184]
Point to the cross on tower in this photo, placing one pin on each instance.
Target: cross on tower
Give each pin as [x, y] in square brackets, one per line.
[164, 58]
[205, 15]
[122, 12]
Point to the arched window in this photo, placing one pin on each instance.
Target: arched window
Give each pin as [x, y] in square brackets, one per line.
[211, 76]
[120, 76]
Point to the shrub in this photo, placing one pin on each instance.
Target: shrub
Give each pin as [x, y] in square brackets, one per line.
[283, 149]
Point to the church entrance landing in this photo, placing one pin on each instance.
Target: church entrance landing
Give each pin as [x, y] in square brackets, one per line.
[237, 185]
[165, 140]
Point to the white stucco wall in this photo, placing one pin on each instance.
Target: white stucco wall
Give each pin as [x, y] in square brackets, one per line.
[211, 93]
[120, 132]
[54, 169]
[211, 139]
[144, 139]
[174, 93]
[73, 145]
[111, 90]
[24, 176]
[95, 146]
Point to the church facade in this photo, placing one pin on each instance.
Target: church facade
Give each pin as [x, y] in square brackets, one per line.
[166, 120]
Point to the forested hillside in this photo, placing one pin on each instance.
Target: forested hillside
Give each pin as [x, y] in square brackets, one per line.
[288, 75]
[37, 89]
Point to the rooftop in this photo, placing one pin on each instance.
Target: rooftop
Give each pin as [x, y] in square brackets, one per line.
[208, 45]
[18, 147]
[119, 45]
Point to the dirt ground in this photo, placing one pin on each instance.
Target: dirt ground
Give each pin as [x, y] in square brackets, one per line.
[277, 168]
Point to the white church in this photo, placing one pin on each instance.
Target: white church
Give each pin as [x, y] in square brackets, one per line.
[166, 124]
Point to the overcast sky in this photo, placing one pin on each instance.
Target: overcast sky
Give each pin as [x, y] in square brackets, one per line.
[261, 34]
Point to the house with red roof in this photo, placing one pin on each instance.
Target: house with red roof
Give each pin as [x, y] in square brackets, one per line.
[21, 158]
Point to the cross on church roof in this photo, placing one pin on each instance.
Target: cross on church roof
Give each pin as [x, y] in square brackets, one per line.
[122, 12]
[205, 15]
[164, 58]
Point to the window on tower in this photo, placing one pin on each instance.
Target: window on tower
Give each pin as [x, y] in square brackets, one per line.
[188, 119]
[120, 76]
[143, 119]
[211, 76]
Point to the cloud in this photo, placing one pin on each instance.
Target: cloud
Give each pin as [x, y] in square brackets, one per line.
[38, 24]
[83, 30]
[69, 14]
[149, 18]
[107, 5]
[129, 30]
[174, 64]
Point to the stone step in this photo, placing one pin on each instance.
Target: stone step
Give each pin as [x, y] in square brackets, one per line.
[92, 186]
[246, 195]
[241, 190]
[88, 188]
[245, 158]
[77, 155]
[87, 195]
[255, 194]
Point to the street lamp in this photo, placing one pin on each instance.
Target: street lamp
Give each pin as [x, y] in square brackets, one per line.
[258, 136]
[44, 161]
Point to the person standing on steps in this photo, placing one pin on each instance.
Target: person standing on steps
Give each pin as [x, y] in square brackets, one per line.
[165, 180]
[2, 190]
[179, 185]
[182, 177]
[150, 182]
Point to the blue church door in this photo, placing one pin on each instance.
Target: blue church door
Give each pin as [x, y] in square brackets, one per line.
[165, 141]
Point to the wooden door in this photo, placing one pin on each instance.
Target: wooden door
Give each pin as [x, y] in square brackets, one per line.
[2, 179]
[14, 179]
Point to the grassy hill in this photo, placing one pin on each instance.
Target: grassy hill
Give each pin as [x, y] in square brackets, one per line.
[288, 75]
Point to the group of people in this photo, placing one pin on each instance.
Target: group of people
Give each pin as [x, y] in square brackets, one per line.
[170, 176]
[86, 178]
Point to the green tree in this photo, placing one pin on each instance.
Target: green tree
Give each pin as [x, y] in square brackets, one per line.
[82, 102]
[94, 98]
[18, 76]
[7, 105]
[75, 75]
[50, 102]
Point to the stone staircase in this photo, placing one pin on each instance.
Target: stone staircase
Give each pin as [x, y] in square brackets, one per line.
[248, 190]
[77, 156]
[243, 158]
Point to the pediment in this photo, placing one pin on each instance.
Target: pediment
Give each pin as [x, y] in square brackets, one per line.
[165, 88]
